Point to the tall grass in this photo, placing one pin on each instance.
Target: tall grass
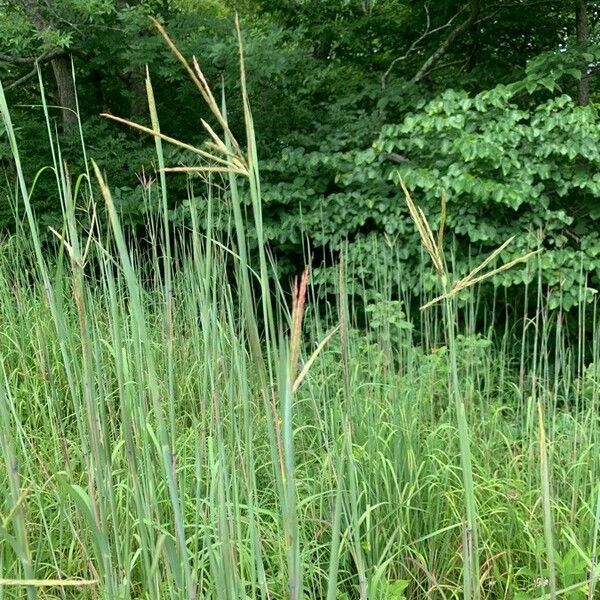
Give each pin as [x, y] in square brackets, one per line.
[188, 426]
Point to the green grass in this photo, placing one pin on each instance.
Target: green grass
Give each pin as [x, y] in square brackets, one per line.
[190, 427]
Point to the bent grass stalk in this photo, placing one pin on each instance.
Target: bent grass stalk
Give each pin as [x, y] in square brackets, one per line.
[152, 382]
[20, 541]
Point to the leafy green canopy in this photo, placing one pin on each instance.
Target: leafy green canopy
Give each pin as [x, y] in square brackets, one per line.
[511, 161]
[348, 96]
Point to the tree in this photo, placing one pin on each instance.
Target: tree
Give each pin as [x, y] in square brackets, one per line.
[52, 47]
[55, 32]
[583, 32]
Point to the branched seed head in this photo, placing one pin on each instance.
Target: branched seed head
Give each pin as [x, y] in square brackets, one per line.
[436, 252]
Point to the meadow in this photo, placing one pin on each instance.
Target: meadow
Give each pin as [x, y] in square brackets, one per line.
[178, 422]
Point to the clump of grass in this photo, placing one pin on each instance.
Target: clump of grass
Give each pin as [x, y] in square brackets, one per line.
[435, 249]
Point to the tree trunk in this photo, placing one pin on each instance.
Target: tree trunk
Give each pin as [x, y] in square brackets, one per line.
[138, 100]
[475, 46]
[65, 93]
[36, 11]
[583, 34]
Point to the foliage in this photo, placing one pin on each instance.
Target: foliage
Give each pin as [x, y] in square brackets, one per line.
[339, 118]
[96, 454]
[514, 160]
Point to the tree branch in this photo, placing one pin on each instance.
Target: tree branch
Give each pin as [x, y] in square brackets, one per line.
[445, 45]
[413, 47]
[22, 80]
[44, 58]
[16, 60]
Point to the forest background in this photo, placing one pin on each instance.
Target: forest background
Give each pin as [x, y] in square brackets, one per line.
[489, 102]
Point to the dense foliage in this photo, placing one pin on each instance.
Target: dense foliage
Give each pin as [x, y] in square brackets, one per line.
[491, 103]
